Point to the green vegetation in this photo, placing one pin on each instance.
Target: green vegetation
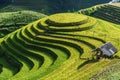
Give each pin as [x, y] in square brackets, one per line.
[56, 49]
[91, 10]
[110, 73]
[106, 12]
[12, 8]
[11, 21]
[73, 19]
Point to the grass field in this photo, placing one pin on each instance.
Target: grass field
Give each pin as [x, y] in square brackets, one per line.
[56, 49]
[10, 21]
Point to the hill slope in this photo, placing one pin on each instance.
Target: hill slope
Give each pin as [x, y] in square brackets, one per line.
[11, 21]
[57, 47]
[106, 12]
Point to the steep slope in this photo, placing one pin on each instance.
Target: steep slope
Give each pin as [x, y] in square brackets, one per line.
[57, 47]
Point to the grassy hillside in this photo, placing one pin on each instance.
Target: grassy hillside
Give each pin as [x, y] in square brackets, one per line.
[110, 73]
[57, 47]
[106, 12]
[11, 21]
[11, 8]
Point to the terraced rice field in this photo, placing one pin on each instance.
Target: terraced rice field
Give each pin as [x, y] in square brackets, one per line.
[110, 13]
[57, 47]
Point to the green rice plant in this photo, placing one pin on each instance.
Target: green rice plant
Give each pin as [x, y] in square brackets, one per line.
[67, 19]
[55, 49]
[85, 26]
[111, 72]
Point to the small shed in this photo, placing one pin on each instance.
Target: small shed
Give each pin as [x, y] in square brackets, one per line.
[108, 49]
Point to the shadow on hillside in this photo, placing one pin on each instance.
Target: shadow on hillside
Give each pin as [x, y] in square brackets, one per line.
[87, 62]
[115, 57]
[84, 36]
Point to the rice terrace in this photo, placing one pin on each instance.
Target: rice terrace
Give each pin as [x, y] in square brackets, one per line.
[44, 42]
